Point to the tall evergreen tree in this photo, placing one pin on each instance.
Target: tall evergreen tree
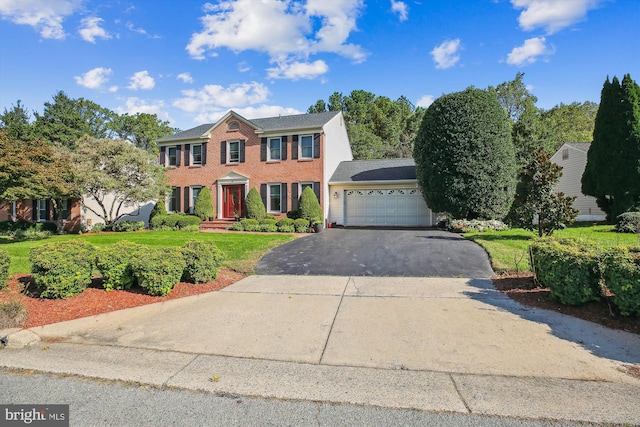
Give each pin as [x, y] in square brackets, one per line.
[612, 174]
[17, 123]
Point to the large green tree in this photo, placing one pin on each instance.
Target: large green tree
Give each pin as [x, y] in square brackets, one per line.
[465, 161]
[142, 130]
[568, 123]
[116, 174]
[612, 174]
[17, 123]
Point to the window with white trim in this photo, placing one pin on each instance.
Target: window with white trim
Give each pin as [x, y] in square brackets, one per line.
[306, 147]
[172, 156]
[172, 205]
[274, 149]
[233, 150]
[275, 198]
[196, 154]
[195, 191]
[42, 210]
[304, 185]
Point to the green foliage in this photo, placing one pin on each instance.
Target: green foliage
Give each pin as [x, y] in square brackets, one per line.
[285, 221]
[570, 268]
[124, 226]
[202, 261]
[203, 208]
[158, 270]
[114, 263]
[612, 174]
[301, 225]
[537, 206]
[8, 228]
[465, 226]
[174, 221]
[236, 226]
[465, 162]
[568, 123]
[141, 129]
[158, 209]
[61, 270]
[250, 224]
[270, 220]
[293, 214]
[254, 205]
[187, 220]
[98, 228]
[628, 222]
[309, 207]
[16, 123]
[5, 262]
[622, 277]
[31, 234]
[286, 229]
[269, 227]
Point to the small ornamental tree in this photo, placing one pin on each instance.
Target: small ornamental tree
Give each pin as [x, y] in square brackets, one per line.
[255, 206]
[159, 209]
[537, 206]
[203, 208]
[309, 207]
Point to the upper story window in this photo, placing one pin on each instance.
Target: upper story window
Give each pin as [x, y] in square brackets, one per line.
[234, 126]
[306, 147]
[275, 149]
[234, 152]
[172, 156]
[196, 154]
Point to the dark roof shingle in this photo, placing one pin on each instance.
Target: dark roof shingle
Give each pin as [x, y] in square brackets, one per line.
[375, 170]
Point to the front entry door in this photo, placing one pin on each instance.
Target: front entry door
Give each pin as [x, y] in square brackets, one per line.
[232, 201]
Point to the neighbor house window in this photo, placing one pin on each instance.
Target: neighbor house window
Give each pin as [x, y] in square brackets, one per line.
[172, 155]
[173, 199]
[275, 145]
[196, 154]
[195, 191]
[42, 210]
[234, 152]
[306, 147]
[275, 197]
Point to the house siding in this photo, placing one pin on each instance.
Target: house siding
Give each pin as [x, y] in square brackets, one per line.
[340, 150]
[570, 182]
[25, 212]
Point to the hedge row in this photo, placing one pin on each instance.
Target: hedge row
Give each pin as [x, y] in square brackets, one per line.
[577, 271]
[62, 270]
[285, 225]
[174, 221]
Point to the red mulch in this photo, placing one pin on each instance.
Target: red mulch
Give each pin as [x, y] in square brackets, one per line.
[95, 300]
[522, 288]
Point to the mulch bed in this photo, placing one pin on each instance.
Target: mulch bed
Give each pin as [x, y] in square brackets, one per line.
[521, 288]
[95, 300]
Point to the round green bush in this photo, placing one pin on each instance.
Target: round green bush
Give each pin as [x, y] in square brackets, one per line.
[309, 206]
[286, 229]
[125, 226]
[269, 227]
[301, 225]
[187, 220]
[250, 224]
[285, 221]
[622, 277]
[254, 205]
[236, 226]
[114, 263]
[5, 262]
[203, 208]
[158, 270]
[628, 222]
[202, 261]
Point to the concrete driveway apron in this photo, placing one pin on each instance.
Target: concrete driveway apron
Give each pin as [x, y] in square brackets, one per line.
[376, 252]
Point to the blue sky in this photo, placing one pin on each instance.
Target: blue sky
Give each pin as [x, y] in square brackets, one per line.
[191, 61]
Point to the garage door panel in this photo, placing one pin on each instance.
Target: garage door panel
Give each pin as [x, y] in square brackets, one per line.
[397, 207]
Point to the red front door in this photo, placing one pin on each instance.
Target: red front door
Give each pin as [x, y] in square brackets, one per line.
[232, 201]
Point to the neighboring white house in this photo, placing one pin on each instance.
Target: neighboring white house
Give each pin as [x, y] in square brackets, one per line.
[572, 157]
[138, 212]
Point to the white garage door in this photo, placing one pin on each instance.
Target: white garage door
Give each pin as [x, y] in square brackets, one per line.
[391, 207]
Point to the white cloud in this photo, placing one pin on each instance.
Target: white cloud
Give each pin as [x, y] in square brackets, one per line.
[142, 31]
[45, 16]
[243, 67]
[529, 52]
[135, 105]
[141, 80]
[94, 79]
[216, 97]
[289, 32]
[91, 30]
[113, 89]
[246, 112]
[425, 101]
[401, 9]
[552, 15]
[185, 77]
[298, 70]
[446, 54]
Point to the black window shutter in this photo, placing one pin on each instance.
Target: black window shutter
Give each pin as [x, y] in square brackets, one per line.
[187, 154]
[284, 148]
[316, 189]
[223, 152]
[263, 149]
[294, 196]
[186, 200]
[316, 146]
[178, 199]
[294, 147]
[241, 148]
[163, 155]
[263, 193]
[34, 211]
[283, 198]
[47, 207]
[178, 154]
[204, 153]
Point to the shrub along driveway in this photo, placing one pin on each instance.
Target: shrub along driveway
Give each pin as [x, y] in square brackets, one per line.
[377, 252]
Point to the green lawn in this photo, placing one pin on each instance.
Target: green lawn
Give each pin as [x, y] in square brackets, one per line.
[242, 250]
[508, 250]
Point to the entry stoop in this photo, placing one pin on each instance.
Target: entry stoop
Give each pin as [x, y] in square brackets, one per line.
[216, 224]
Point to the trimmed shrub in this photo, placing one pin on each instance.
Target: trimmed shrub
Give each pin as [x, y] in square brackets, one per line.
[190, 228]
[269, 218]
[268, 221]
[5, 262]
[51, 227]
[32, 234]
[125, 226]
[569, 268]
[236, 226]
[269, 227]
[250, 224]
[309, 206]
[62, 269]
[622, 277]
[203, 208]
[202, 261]
[286, 229]
[158, 270]
[158, 209]
[99, 227]
[301, 225]
[294, 214]
[255, 206]
[628, 222]
[464, 225]
[187, 220]
[285, 221]
[160, 221]
[8, 228]
[114, 263]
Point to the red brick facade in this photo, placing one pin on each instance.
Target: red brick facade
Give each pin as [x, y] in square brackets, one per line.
[27, 210]
[251, 170]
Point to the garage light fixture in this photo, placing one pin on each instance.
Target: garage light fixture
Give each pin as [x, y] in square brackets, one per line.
[335, 195]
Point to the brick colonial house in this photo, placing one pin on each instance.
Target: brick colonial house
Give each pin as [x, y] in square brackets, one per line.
[42, 211]
[279, 156]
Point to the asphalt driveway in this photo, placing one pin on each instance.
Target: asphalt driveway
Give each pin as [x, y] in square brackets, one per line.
[375, 252]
